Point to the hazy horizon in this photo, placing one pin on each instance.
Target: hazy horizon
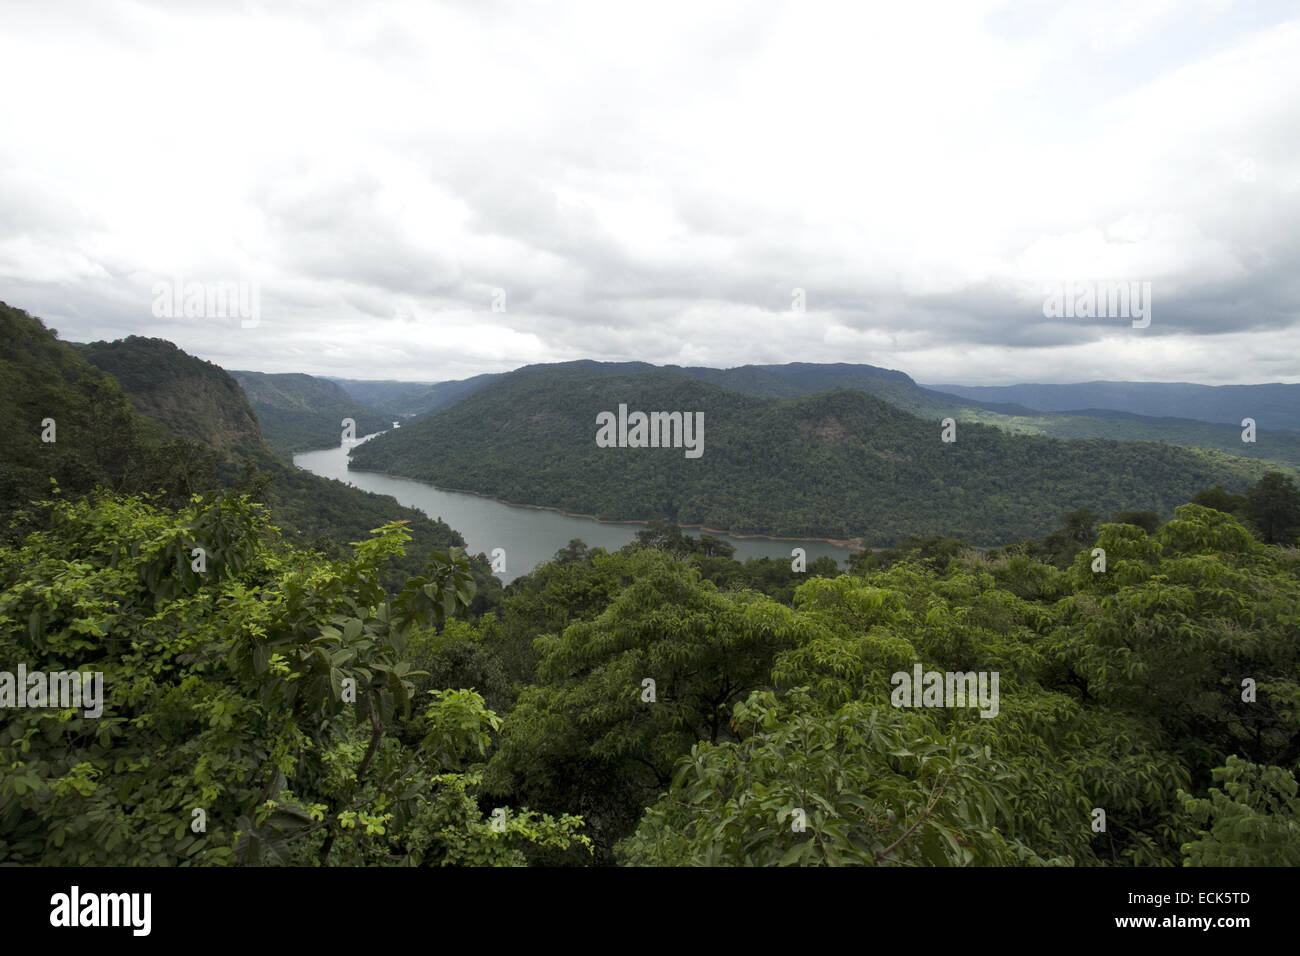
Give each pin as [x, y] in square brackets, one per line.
[724, 367]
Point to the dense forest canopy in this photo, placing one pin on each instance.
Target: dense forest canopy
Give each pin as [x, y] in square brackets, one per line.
[314, 717]
[297, 673]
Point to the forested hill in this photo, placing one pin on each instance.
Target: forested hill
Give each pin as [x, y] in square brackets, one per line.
[300, 412]
[197, 442]
[70, 423]
[805, 378]
[1274, 443]
[313, 510]
[839, 464]
[1273, 406]
[186, 395]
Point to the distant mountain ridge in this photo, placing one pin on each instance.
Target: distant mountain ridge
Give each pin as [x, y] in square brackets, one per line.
[1273, 406]
[299, 412]
[404, 400]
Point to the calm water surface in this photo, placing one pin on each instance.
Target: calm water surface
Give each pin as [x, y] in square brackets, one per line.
[529, 536]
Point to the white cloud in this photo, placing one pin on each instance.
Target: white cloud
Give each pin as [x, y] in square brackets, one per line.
[650, 182]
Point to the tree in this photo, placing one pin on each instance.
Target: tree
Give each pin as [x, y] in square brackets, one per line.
[257, 704]
[1076, 529]
[711, 547]
[857, 786]
[1188, 630]
[1253, 818]
[933, 551]
[1221, 500]
[1273, 507]
[620, 697]
[1148, 521]
[1059, 751]
[575, 550]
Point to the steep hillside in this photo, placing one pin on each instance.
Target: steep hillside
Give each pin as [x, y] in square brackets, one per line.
[318, 511]
[68, 421]
[101, 440]
[187, 396]
[300, 412]
[1273, 406]
[839, 464]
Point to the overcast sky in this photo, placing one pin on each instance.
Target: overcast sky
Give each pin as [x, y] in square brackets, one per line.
[652, 181]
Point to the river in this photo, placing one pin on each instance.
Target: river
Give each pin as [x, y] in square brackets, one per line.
[529, 536]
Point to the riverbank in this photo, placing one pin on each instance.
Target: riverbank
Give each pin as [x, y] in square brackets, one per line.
[852, 544]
